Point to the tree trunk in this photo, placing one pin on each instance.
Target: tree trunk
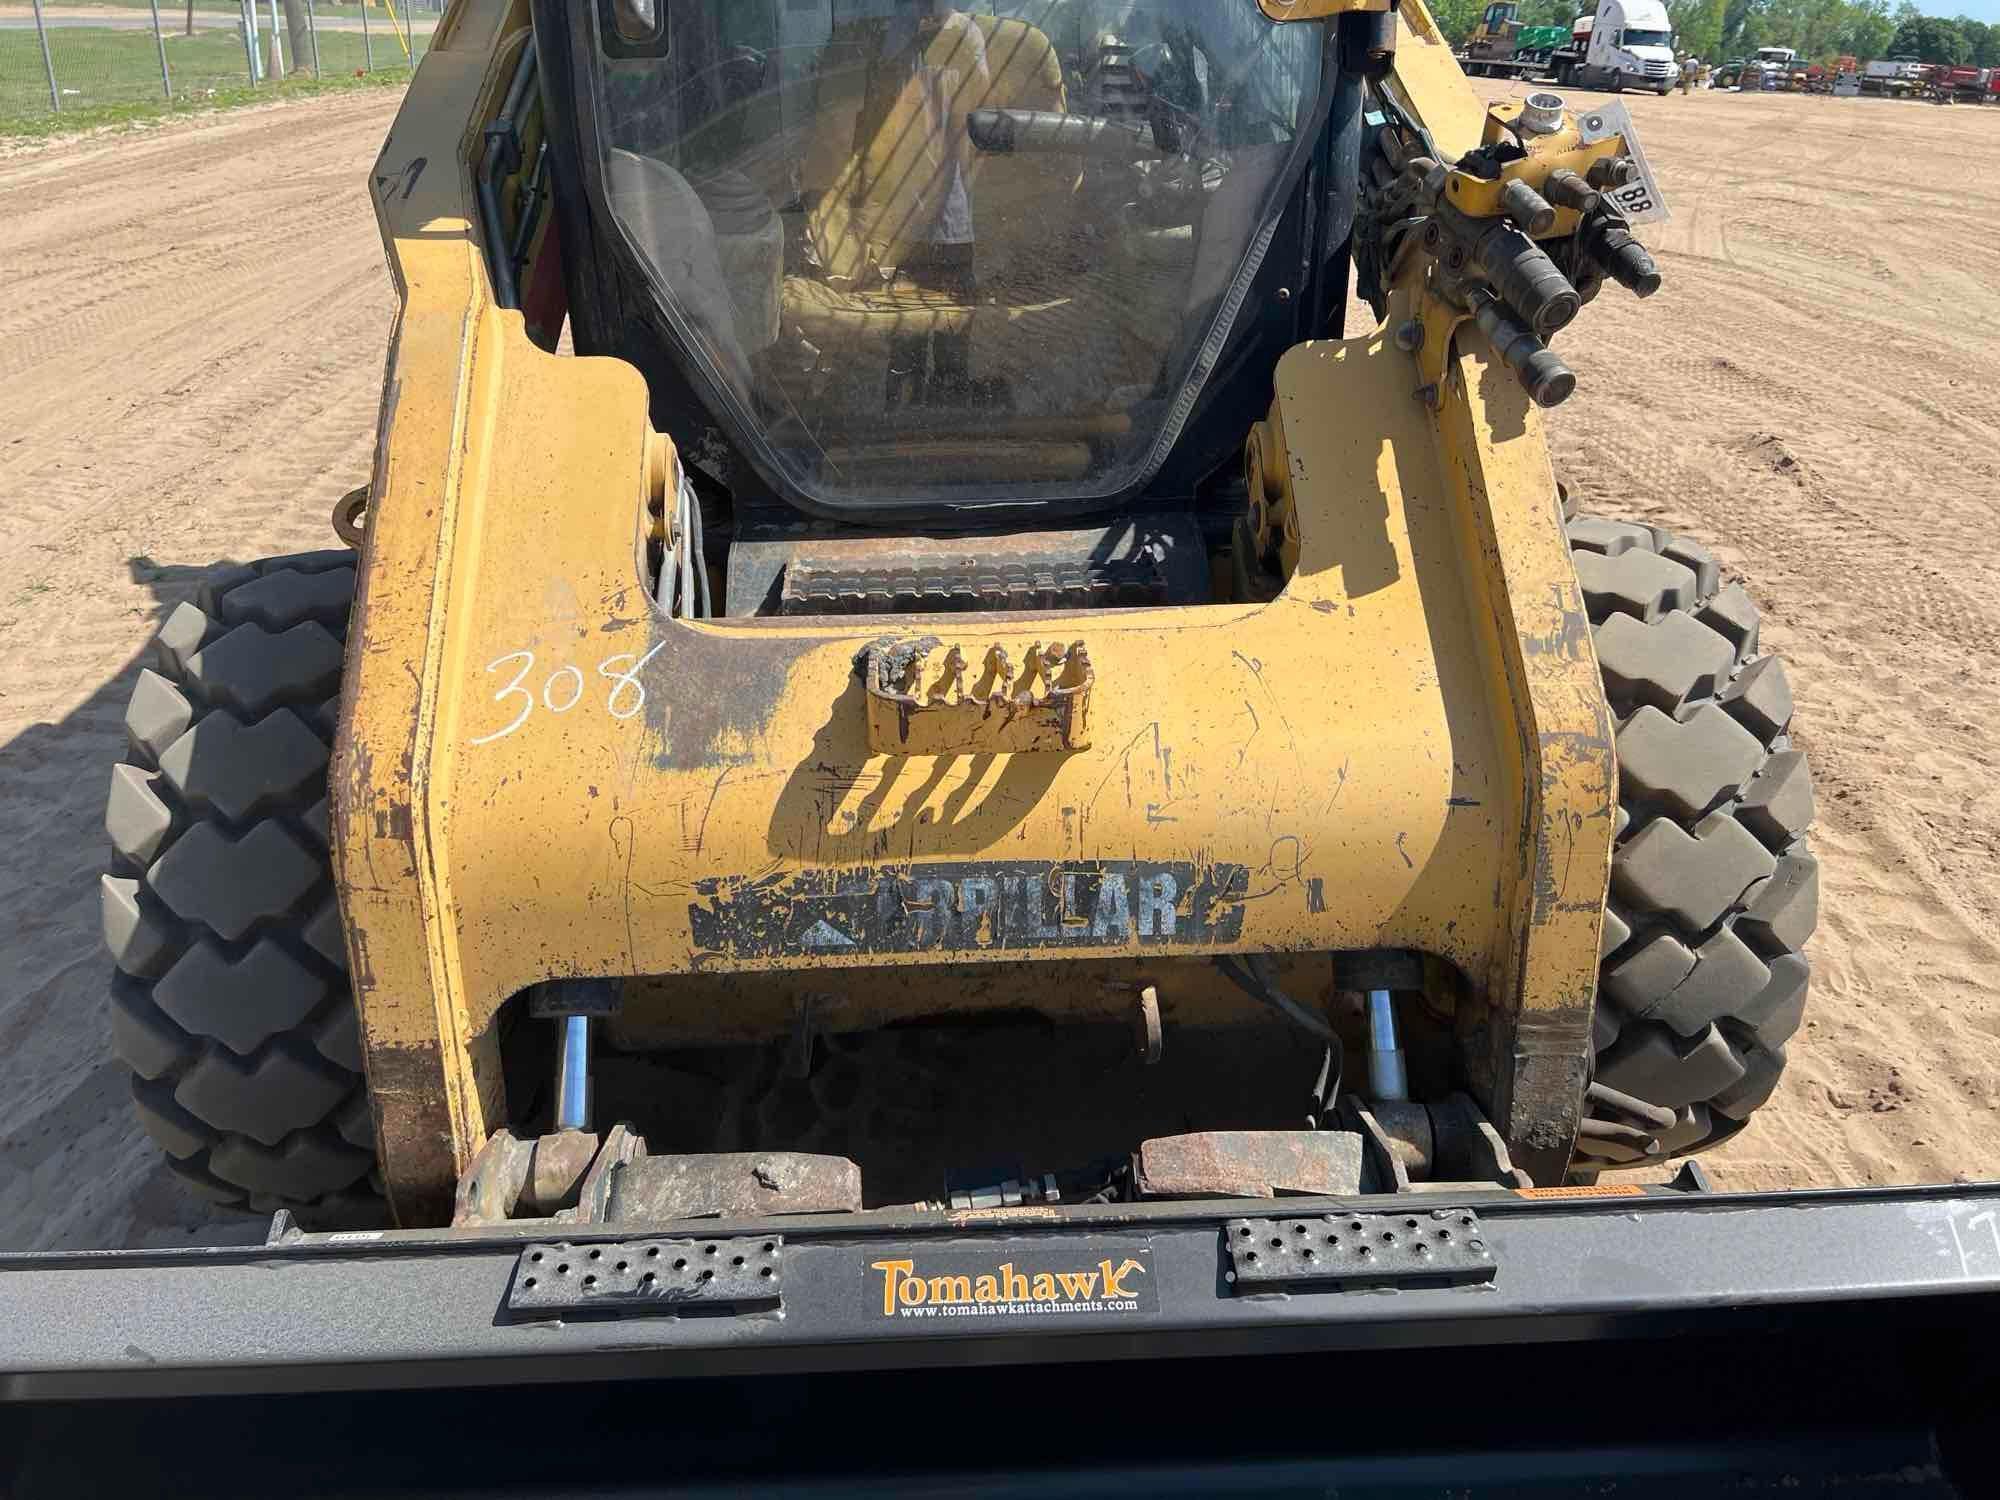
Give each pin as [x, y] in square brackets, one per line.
[298, 38]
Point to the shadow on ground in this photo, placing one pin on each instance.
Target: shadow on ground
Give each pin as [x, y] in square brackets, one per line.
[76, 1169]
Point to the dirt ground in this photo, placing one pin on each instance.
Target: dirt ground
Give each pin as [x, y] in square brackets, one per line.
[191, 350]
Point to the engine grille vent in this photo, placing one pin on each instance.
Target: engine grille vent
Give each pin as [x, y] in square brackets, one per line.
[1013, 585]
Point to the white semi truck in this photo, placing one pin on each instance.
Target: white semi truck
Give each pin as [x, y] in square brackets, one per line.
[1897, 77]
[1625, 44]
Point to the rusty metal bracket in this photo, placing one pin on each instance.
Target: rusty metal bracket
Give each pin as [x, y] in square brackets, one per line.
[1249, 1164]
[731, 1184]
[648, 1275]
[959, 708]
[563, 1175]
[1430, 1247]
[557, 998]
[350, 517]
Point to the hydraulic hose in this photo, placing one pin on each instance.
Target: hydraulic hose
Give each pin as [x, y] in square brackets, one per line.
[1259, 988]
[701, 606]
[1256, 982]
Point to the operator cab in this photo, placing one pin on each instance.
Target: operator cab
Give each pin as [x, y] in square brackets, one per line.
[904, 263]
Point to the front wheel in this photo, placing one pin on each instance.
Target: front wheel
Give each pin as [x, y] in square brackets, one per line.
[229, 1001]
[1714, 889]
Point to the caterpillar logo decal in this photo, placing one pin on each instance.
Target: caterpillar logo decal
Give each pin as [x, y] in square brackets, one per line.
[924, 1285]
[971, 908]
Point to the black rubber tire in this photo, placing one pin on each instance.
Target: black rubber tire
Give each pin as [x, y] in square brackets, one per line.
[229, 1000]
[1714, 889]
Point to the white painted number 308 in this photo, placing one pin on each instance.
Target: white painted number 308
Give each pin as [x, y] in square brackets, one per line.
[563, 689]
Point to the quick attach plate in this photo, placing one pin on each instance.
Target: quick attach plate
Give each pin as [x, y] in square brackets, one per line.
[649, 1275]
[1418, 1248]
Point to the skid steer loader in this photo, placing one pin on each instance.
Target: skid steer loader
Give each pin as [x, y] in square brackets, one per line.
[969, 690]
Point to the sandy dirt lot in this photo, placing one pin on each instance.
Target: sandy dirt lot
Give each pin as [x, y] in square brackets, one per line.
[191, 350]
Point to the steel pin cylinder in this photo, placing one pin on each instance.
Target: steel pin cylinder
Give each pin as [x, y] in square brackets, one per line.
[1386, 1076]
[573, 1074]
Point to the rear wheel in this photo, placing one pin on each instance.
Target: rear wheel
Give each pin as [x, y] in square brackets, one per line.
[1714, 889]
[230, 1001]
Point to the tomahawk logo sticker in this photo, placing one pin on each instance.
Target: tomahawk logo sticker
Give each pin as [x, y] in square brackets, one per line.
[926, 1286]
[971, 908]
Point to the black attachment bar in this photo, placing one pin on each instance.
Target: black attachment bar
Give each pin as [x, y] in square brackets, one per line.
[1429, 1247]
[648, 1275]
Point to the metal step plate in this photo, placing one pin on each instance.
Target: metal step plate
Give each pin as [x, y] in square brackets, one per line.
[1421, 1247]
[649, 1275]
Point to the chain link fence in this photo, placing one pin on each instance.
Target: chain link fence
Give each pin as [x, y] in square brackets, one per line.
[60, 56]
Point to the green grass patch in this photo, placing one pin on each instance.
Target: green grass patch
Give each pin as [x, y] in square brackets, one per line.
[107, 75]
[81, 118]
[173, 13]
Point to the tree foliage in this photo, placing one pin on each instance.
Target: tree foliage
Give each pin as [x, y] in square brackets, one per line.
[1936, 40]
[1819, 30]
[1699, 24]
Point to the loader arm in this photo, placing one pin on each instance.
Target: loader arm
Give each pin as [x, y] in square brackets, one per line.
[539, 774]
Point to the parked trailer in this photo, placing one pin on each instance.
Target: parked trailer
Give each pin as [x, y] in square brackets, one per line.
[1502, 47]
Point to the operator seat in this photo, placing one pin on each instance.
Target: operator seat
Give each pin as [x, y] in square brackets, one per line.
[879, 168]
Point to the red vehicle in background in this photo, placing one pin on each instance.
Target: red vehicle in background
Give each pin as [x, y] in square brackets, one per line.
[1947, 84]
[1964, 83]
